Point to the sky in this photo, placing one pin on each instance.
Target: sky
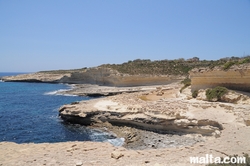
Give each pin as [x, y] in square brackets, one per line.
[40, 35]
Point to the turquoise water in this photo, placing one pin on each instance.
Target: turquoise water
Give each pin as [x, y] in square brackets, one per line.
[29, 113]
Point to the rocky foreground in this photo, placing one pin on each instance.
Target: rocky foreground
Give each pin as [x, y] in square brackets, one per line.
[201, 127]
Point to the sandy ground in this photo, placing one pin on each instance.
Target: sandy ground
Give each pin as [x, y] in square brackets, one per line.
[234, 138]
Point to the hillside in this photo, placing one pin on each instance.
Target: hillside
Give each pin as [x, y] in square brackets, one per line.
[163, 67]
[173, 67]
[132, 73]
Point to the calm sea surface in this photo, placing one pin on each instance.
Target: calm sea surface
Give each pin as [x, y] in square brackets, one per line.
[29, 113]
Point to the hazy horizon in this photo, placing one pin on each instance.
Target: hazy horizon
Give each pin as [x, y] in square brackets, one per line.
[51, 35]
[115, 63]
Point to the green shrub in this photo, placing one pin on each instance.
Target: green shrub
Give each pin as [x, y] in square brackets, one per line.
[158, 67]
[228, 64]
[246, 60]
[186, 82]
[216, 93]
[235, 164]
[195, 94]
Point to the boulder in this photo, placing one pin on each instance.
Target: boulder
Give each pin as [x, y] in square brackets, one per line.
[231, 97]
[247, 120]
[202, 95]
[117, 154]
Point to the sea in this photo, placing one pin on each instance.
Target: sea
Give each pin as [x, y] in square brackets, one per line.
[29, 114]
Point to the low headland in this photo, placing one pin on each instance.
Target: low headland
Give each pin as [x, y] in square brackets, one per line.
[166, 111]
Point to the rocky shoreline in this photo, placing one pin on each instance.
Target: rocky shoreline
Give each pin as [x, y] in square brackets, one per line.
[163, 110]
[139, 139]
[160, 125]
[98, 91]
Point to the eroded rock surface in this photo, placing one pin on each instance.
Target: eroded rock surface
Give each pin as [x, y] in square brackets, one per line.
[36, 77]
[96, 75]
[96, 90]
[236, 77]
[149, 117]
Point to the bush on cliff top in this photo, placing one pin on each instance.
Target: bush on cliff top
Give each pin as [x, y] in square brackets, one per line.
[163, 67]
[246, 60]
[173, 67]
[216, 93]
[228, 64]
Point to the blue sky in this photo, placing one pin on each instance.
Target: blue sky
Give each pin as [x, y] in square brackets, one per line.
[61, 34]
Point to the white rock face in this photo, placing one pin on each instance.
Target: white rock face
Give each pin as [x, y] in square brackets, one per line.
[97, 75]
[237, 77]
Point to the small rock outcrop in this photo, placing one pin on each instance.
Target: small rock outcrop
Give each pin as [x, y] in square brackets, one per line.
[229, 97]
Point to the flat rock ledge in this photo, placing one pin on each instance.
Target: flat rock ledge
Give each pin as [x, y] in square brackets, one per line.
[92, 90]
[165, 112]
[106, 110]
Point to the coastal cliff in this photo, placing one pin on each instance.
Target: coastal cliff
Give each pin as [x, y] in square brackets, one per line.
[165, 111]
[96, 75]
[109, 77]
[173, 124]
[36, 77]
[236, 77]
[159, 110]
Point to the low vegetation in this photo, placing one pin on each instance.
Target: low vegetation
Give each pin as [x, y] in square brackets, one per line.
[195, 93]
[173, 67]
[164, 67]
[63, 71]
[228, 64]
[186, 82]
[216, 93]
[236, 61]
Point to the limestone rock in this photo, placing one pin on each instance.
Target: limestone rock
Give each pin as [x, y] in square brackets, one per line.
[152, 118]
[237, 77]
[247, 120]
[201, 95]
[96, 75]
[231, 97]
[79, 163]
[117, 154]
